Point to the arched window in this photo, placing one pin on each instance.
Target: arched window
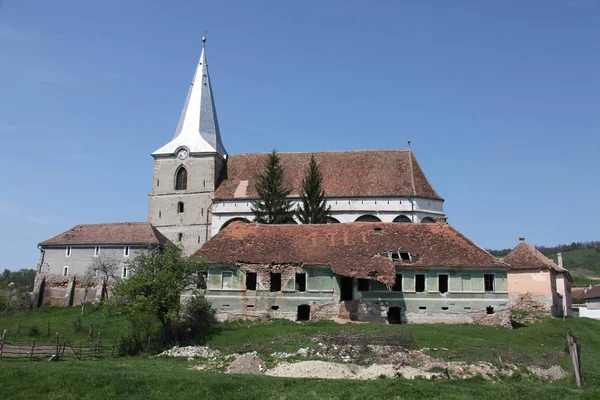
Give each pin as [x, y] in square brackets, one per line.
[367, 218]
[181, 179]
[402, 219]
[180, 207]
[427, 220]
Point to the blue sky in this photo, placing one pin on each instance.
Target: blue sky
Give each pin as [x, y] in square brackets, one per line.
[501, 100]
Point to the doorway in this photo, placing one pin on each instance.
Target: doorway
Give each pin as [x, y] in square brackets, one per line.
[394, 315]
[303, 313]
[346, 288]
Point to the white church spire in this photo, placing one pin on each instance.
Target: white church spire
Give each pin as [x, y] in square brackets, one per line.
[198, 128]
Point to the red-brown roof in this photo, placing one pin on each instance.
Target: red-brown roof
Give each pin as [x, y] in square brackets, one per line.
[386, 173]
[351, 249]
[525, 256]
[112, 233]
[592, 293]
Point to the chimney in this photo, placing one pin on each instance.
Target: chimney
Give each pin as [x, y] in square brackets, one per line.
[521, 238]
[560, 261]
[442, 220]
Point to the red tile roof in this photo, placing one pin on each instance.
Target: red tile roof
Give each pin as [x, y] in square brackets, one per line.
[112, 233]
[345, 174]
[350, 249]
[525, 256]
[592, 293]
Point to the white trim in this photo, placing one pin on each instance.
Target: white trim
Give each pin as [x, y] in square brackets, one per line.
[96, 251]
[65, 271]
[68, 251]
[126, 251]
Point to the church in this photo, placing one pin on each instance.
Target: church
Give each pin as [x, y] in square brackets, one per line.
[387, 254]
[198, 189]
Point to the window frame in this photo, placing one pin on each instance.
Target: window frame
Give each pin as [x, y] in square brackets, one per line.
[184, 181]
[68, 251]
[424, 283]
[396, 282]
[305, 282]
[447, 282]
[493, 275]
[255, 280]
[271, 286]
[126, 251]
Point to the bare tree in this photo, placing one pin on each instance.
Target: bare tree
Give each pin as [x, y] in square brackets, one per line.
[88, 280]
[105, 267]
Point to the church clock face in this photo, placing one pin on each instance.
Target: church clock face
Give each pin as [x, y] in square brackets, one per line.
[182, 154]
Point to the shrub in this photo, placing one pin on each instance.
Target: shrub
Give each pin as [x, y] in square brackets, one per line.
[34, 330]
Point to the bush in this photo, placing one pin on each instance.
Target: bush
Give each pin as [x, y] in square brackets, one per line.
[196, 313]
[34, 330]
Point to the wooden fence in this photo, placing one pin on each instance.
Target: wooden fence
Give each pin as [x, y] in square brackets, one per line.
[56, 349]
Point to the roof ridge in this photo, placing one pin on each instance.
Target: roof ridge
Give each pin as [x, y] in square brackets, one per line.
[412, 173]
[324, 151]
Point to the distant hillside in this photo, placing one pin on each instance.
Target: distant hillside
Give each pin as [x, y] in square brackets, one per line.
[582, 259]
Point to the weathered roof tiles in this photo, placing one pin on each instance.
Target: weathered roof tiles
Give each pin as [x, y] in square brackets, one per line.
[525, 256]
[351, 249]
[110, 233]
[385, 173]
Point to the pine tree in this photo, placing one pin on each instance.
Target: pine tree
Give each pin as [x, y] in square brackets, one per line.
[314, 208]
[273, 206]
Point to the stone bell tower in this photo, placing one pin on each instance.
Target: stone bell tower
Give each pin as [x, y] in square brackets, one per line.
[188, 168]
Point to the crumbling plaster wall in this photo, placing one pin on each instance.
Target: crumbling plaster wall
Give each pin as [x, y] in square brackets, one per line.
[531, 285]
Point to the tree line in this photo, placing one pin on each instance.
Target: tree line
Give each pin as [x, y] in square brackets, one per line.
[549, 250]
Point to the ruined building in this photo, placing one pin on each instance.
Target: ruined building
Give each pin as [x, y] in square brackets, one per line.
[378, 272]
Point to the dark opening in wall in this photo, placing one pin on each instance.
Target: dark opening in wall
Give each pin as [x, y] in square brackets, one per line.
[489, 310]
[398, 283]
[488, 281]
[274, 307]
[394, 315]
[346, 288]
[363, 285]
[275, 282]
[250, 280]
[419, 282]
[422, 308]
[301, 282]
[445, 308]
[180, 207]
[303, 313]
[179, 237]
[443, 283]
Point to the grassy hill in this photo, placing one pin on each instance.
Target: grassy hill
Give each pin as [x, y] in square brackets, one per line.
[584, 262]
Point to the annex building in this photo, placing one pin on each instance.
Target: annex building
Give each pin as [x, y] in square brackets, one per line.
[387, 254]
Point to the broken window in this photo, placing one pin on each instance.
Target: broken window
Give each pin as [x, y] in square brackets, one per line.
[399, 255]
[275, 282]
[346, 288]
[226, 278]
[363, 285]
[489, 310]
[398, 283]
[443, 283]
[250, 280]
[488, 282]
[419, 282]
[405, 255]
[301, 282]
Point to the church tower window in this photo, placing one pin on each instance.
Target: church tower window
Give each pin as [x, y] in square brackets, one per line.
[181, 179]
[180, 207]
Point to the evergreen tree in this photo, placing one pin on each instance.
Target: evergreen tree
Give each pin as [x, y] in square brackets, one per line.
[314, 208]
[273, 206]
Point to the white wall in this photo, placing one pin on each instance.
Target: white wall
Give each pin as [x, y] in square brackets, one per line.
[342, 209]
[587, 313]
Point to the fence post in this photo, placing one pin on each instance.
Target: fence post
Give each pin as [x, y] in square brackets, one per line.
[32, 350]
[2, 342]
[98, 346]
[57, 349]
[91, 334]
[574, 351]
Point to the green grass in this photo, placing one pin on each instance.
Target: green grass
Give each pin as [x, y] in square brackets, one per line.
[142, 377]
[61, 320]
[581, 262]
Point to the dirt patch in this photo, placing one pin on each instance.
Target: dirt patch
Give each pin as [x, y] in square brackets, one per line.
[249, 363]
